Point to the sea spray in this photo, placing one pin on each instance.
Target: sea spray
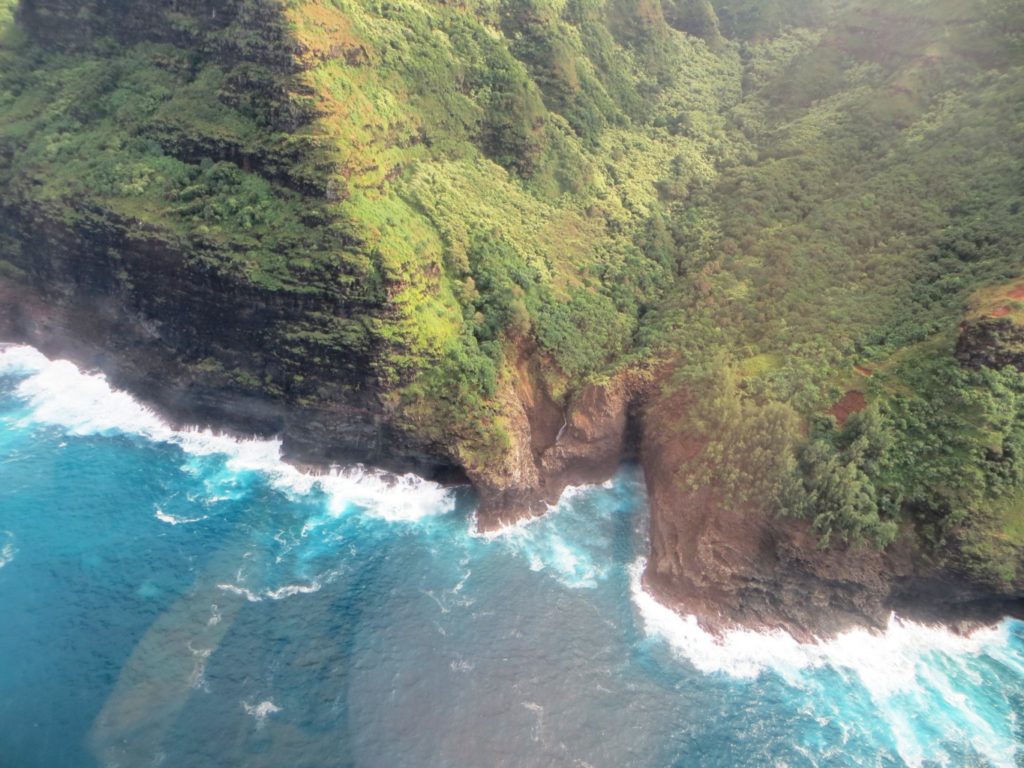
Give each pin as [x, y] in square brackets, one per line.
[260, 711]
[7, 549]
[354, 601]
[60, 394]
[884, 660]
[908, 669]
[542, 544]
[164, 517]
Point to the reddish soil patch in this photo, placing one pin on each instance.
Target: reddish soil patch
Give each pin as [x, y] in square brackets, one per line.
[862, 370]
[1017, 293]
[850, 403]
[1001, 312]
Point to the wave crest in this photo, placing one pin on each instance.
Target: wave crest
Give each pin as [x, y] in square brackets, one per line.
[907, 669]
[7, 550]
[58, 393]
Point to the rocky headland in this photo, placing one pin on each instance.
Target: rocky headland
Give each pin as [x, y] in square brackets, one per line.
[515, 244]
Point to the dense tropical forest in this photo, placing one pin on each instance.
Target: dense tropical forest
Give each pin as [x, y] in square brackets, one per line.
[802, 219]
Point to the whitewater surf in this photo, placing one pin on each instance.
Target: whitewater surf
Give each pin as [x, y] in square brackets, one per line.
[225, 607]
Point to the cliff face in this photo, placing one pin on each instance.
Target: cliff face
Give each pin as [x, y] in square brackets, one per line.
[337, 225]
[271, 234]
[554, 447]
[202, 346]
[452, 237]
[736, 566]
[171, 313]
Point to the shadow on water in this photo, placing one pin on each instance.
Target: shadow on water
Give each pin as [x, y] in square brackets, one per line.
[254, 679]
[194, 614]
[83, 588]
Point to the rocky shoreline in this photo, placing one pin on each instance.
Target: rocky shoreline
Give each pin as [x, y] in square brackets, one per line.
[731, 568]
[741, 568]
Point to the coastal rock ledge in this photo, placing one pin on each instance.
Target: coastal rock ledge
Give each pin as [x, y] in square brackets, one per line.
[737, 567]
[454, 242]
[730, 567]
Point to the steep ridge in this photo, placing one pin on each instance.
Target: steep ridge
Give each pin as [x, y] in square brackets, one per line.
[856, 452]
[771, 248]
[253, 223]
[181, 315]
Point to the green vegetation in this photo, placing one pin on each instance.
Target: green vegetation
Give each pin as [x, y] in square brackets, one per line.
[762, 194]
[876, 190]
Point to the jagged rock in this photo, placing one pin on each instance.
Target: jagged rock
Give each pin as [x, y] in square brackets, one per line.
[991, 342]
[737, 566]
[583, 443]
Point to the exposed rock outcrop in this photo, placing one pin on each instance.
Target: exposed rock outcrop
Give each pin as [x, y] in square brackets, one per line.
[202, 348]
[991, 342]
[200, 323]
[555, 447]
[736, 566]
[180, 315]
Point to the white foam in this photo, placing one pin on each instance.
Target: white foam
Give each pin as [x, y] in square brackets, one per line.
[885, 661]
[292, 589]
[540, 542]
[20, 359]
[163, 517]
[395, 498]
[503, 532]
[260, 711]
[197, 679]
[511, 530]
[60, 394]
[245, 592]
[7, 550]
[277, 593]
[901, 668]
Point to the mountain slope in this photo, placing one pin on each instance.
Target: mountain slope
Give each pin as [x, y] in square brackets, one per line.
[773, 245]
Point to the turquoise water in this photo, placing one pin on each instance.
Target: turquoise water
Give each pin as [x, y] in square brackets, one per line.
[182, 599]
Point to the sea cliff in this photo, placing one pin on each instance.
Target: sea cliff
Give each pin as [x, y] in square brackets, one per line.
[770, 250]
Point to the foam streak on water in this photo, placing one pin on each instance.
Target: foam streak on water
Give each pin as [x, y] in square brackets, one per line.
[163, 517]
[7, 550]
[60, 394]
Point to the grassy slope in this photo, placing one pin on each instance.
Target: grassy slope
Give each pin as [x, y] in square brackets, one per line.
[809, 187]
[476, 196]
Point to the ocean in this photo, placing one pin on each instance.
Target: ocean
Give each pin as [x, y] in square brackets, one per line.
[181, 598]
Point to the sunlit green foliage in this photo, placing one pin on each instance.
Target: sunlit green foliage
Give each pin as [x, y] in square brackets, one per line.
[791, 186]
[749, 452]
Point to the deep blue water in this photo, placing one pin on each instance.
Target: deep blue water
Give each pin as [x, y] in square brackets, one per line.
[180, 599]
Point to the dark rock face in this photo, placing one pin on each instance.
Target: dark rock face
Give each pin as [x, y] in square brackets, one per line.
[210, 347]
[738, 567]
[198, 24]
[172, 317]
[554, 447]
[203, 348]
[991, 342]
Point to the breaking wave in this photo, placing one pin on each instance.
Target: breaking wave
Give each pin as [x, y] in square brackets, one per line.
[907, 669]
[7, 550]
[58, 393]
[914, 694]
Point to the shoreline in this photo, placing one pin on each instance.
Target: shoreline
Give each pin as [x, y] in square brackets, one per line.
[111, 408]
[884, 659]
[960, 622]
[721, 628]
[137, 361]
